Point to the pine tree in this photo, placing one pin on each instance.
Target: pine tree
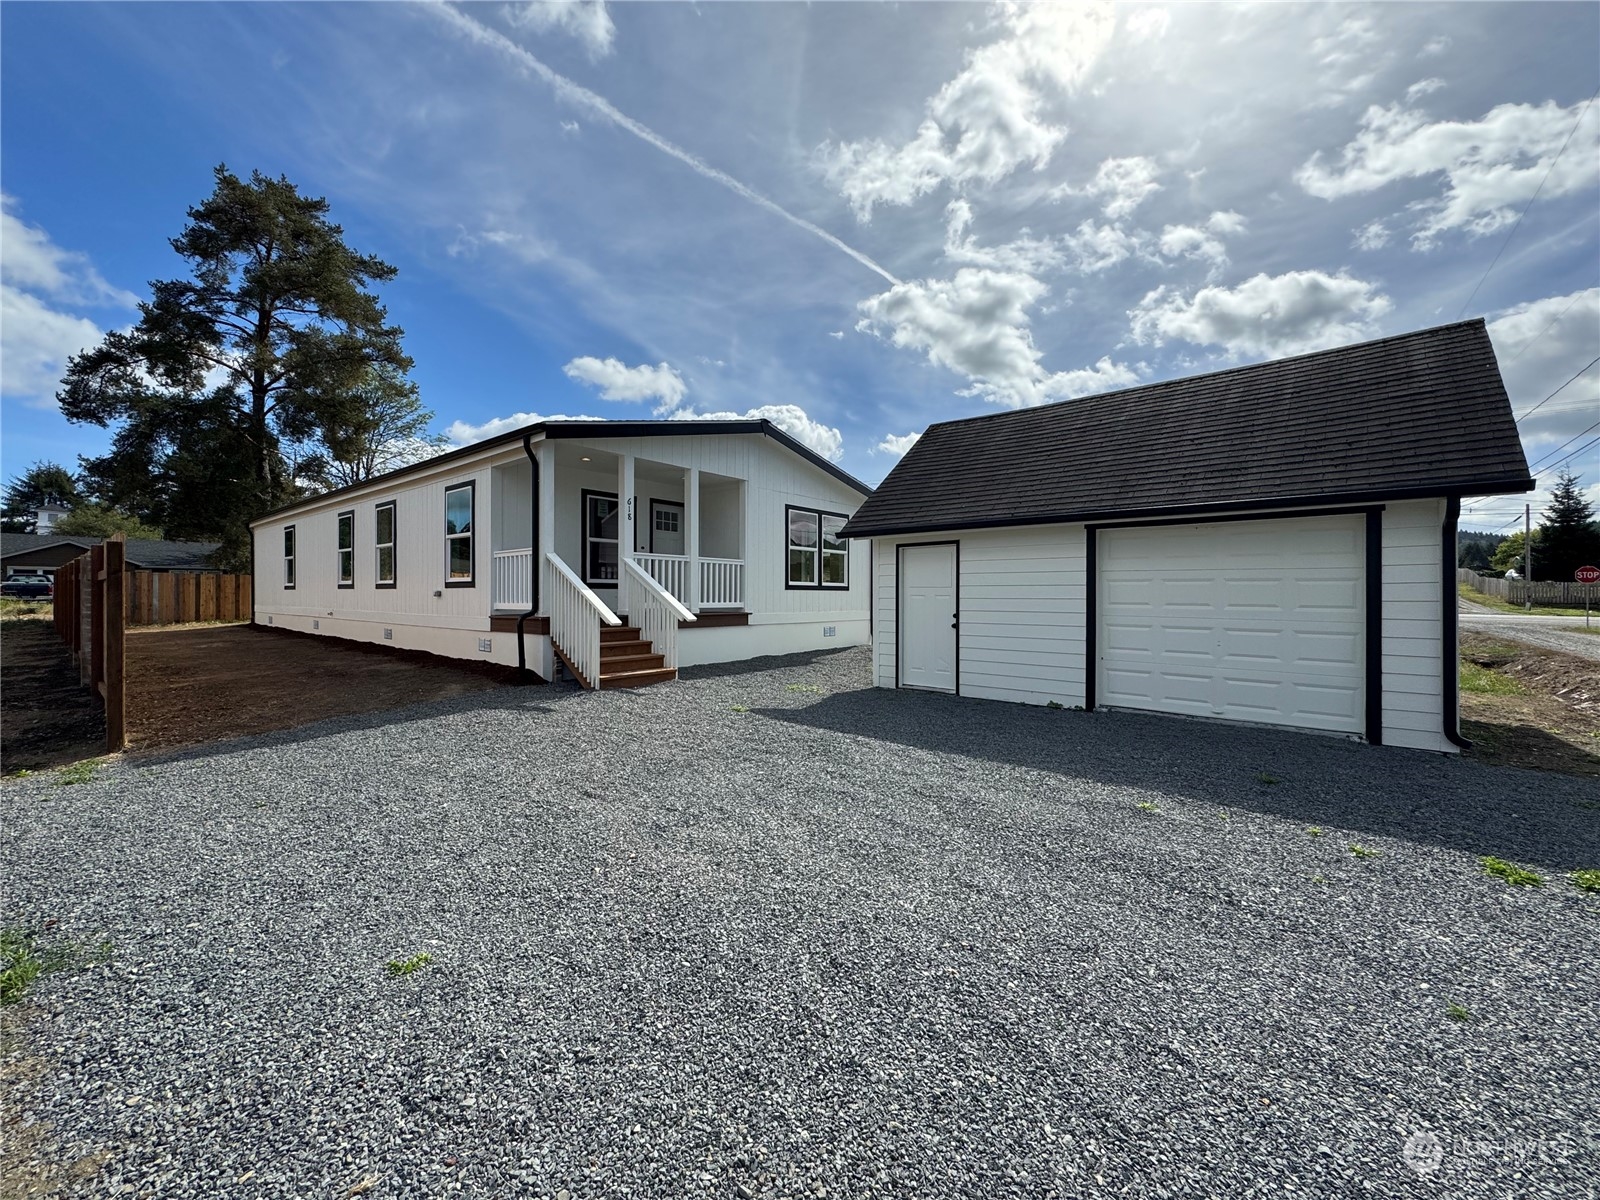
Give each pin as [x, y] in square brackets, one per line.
[1568, 535]
[43, 483]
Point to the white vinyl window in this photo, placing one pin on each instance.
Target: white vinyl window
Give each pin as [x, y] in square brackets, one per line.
[818, 556]
[347, 549]
[601, 560]
[288, 557]
[383, 545]
[458, 518]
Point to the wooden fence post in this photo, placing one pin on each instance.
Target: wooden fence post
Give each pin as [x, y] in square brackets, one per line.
[114, 611]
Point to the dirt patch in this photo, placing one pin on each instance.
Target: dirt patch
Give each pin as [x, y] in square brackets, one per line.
[205, 683]
[1554, 725]
[47, 716]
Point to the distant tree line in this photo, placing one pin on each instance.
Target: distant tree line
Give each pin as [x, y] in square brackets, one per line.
[1566, 538]
[268, 373]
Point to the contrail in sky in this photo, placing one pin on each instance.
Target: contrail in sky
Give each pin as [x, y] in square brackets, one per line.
[577, 94]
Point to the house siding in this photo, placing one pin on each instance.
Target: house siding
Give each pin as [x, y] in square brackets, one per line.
[1413, 626]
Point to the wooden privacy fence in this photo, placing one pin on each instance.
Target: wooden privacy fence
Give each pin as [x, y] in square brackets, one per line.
[175, 597]
[1562, 592]
[90, 616]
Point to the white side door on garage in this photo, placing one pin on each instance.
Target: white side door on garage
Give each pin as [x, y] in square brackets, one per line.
[1260, 621]
[928, 617]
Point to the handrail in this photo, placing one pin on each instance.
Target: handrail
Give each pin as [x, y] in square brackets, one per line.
[576, 615]
[571, 576]
[666, 597]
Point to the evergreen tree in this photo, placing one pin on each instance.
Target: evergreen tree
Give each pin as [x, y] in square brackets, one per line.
[1568, 537]
[43, 483]
[386, 430]
[1508, 555]
[270, 338]
[91, 519]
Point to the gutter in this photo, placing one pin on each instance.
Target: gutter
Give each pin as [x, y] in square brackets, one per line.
[533, 564]
[1451, 631]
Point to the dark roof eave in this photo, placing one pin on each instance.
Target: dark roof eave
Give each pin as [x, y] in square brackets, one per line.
[1096, 516]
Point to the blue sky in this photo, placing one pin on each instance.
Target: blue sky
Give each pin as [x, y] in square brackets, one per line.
[856, 219]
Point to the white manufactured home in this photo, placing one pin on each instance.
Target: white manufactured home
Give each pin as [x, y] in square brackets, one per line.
[1274, 544]
[620, 549]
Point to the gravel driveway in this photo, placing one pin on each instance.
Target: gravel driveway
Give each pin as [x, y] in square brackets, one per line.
[1553, 633]
[847, 943]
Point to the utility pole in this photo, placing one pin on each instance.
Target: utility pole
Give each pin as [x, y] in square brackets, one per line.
[1527, 556]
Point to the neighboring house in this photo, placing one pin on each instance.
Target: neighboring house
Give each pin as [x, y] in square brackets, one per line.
[1271, 544]
[717, 540]
[43, 554]
[46, 516]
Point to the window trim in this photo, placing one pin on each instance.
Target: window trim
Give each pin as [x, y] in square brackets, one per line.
[470, 486]
[394, 535]
[339, 552]
[616, 499]
[819, 586]
[291, 550]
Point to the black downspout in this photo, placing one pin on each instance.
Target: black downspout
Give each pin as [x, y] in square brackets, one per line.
[1452, 625]
[533, 510]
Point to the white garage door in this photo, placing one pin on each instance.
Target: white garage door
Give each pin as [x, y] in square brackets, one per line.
[1248, 620]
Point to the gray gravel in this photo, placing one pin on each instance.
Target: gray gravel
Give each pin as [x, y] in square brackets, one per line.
[847, 943]
[1553, 633]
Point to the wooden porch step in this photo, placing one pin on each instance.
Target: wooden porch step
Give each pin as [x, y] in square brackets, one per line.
[622, 649]
[618, 633]
[633, 679]
[643, 661]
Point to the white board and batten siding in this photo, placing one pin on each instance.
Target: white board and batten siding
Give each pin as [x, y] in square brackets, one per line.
[1022, 623]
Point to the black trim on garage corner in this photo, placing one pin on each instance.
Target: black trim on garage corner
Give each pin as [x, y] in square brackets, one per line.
[1372, 667]
[1373, 684]
[899, 602]
[472, 531]
[1451, 627]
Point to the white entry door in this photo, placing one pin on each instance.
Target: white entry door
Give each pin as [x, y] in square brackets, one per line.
[666, 527]
[1261, 621]
[928, 617]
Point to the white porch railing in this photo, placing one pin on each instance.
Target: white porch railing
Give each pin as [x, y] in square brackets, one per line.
[576, 615]
[512, 579]
[671, 571]
[721, 583]
[654, 610]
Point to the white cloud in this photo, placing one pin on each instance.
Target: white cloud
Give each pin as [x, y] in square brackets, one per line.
[1202, 242]
[989, 120]
[1267, 315]
[1491, 166]
[1023, 253]
[791, 418]
[1539, 346]
[1148, 24]
[896, 444]
[586, 20]
[1374, 235]
[1423, 87]
[1096, 248]
[977, 325]
[35, 343]
[461, 433]
[1121, 184]
[1226, 221]
[616, 381]
[1434, 47]
[29, 260]
[836, 334]
[1349, 57]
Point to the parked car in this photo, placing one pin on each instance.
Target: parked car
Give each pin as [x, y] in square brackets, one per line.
[32, 587]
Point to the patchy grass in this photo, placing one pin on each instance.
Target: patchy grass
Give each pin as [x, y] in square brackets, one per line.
[15, 608]
[1361, 851]
[1486, 681]
[1458, 1012]
[805, 687]
[408, 966]
[1587, 881]
[1467, 592]
[1267, 778]
[76, 773]
[1316, 831]
[1147, 806]
[1510, 872]
[25, 954]
[739, 708]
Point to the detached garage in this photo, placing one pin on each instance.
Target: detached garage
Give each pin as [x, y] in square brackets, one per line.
[1272, 544]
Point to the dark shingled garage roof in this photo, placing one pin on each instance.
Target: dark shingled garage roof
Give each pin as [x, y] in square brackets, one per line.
[1420, 414]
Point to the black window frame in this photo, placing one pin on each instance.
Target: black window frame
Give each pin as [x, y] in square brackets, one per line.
[291, 549]
[595, 493]
[339, 551]
[470, 486]
[817, 585]
[377, 546]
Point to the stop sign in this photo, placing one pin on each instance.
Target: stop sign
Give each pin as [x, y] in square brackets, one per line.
[1587, 574]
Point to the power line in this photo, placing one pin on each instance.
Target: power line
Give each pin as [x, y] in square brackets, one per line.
[1555, 393]
[1564, 445]
[1529, 204]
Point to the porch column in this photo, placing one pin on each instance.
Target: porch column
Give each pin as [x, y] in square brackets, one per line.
[627, 537]
[546, 452]
[691, 537]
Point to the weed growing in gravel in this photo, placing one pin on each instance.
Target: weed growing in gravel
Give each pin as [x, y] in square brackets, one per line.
[1315, 831]
[1588, 881]
[1510, 872]
[24, 956]
[1319, 879]
[78, 772]
[1458, 1012]
[1263, 777]
[1055, 704]
[20, 773]
[1147, 806]
[1361, 851]
[408, 966]
[805, 687]
[741, 708]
